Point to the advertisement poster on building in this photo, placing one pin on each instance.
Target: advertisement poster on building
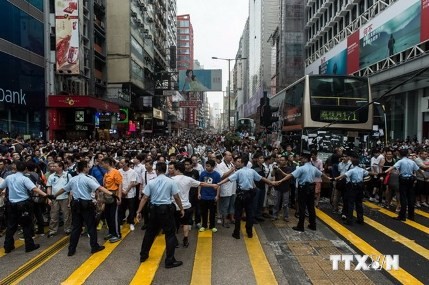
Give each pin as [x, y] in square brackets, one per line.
[200, 80]
[379, 40]
[67, 36]
[335, 65]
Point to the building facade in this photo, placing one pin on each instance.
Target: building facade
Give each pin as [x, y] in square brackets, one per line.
[22, 76]
[386, 41]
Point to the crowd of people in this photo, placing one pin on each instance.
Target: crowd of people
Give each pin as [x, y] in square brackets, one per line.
[205, 182]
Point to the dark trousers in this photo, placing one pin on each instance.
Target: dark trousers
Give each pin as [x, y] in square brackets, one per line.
[83, 212]
[407, 196]
[112, 218]
[306, 200]
[193, 199]
[127, 204]
[341, 187]
[246, 205]
[354, 199]
[19, 214]
[258, 203]
[206, 206]
[160, 217]
[38, 210]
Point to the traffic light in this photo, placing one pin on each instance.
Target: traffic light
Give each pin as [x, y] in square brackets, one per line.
[266, 112]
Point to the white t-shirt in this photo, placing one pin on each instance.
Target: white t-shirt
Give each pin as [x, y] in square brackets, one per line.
[139, 169]
[185, 183]
[128, 177]
[229, 188]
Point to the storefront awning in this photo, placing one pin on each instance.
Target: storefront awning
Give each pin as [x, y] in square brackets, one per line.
[64, 101]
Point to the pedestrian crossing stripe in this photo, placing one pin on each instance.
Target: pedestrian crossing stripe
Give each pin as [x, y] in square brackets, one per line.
[94, 261]
[401, 275]
[261, 267]
[393, 215]
[18, 243]
[202, 269]
[422, 213]
[147, 270]
[398, 237]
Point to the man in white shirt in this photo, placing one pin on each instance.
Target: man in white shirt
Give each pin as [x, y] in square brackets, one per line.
[129, 183]
[57, 181]
[227, 190]
[196, 165]
[185, 183]
[148, 174]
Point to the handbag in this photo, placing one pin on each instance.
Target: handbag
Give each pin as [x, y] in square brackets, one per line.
[108, 199]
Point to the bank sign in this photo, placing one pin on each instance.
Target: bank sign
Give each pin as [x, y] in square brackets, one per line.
[13, 96]
[399, 27]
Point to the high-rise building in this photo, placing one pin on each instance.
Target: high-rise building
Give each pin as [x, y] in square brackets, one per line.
[185, 43]
[22, 76]
[77, 71]
[384, 40]
[185, 59]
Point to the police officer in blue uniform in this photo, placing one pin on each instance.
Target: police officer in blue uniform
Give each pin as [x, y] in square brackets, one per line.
[20, 207]
[354, 190]
[305, 175]
[83, 209]
[245, 194]
[407, 195]
[162, 210]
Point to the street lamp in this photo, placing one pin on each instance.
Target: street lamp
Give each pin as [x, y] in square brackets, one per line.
[229, 84]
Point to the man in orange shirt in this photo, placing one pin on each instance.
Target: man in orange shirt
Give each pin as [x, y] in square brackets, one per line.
[112, 182]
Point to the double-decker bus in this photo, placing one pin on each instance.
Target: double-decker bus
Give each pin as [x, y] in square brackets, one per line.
[246, 125]
[324, 112]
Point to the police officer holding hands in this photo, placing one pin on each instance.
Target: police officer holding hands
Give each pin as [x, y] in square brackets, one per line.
[20, 207]
[354, 190]
[82, 207]
[407, 194]
[161, 214]
[245, 178]
[305, 176]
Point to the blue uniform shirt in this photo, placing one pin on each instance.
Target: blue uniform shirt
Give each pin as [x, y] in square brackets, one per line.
[406, 167]
[81, 186]
[160, 190]
[306, 173]
[245, 177]
[18, 186]
[356, 174]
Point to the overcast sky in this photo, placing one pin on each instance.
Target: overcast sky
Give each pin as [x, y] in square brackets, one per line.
[218, 25]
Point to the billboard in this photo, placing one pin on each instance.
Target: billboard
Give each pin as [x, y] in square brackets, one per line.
[67, 36]
[401, 26]
[200, 80]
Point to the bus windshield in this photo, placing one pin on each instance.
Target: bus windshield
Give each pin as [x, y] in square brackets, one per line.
[339, 99]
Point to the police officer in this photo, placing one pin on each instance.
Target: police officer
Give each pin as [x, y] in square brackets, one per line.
[305, 176]
[407, 195]
[245, 193]
[20, 207]
[160, 190]
[354, 190]
[82, 206]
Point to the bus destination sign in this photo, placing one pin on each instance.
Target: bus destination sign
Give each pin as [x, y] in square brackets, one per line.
[341, 116]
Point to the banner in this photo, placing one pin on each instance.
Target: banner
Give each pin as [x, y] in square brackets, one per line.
[67, 36]
[200, 80]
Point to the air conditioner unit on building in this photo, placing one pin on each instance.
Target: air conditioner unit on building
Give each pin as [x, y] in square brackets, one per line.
[149, 37]
[150, 20]
[146, 31]
[139, 22]
[133, 14]
[141, 25]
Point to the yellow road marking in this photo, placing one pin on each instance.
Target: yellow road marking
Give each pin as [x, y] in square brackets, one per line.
[391, 214]
[398, 237]
[401, 275]
[261, 267]
[34, 263]
[146, 272]
[202, 270]
[422, 213]
[18, 243]
[93, 262]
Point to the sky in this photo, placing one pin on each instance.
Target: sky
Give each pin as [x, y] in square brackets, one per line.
[218, 25]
